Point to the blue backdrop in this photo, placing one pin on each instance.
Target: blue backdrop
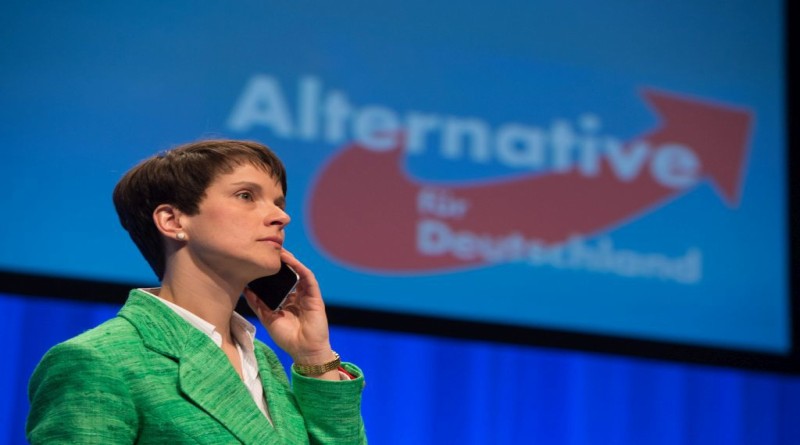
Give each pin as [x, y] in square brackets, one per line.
[529, 153]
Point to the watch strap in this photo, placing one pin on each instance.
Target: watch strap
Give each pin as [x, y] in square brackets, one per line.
[315, 370]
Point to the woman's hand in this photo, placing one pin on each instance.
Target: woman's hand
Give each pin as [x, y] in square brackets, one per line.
[301, 327]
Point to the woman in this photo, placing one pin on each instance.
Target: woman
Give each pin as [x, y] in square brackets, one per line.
[177, 364]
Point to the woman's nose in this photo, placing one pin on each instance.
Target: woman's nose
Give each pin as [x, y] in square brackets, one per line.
[279, 217]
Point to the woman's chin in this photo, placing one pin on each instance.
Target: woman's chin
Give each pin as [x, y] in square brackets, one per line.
[270, 269]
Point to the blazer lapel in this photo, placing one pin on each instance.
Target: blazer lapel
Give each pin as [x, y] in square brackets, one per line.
[205, 375]
[209, 380]
[283, 408]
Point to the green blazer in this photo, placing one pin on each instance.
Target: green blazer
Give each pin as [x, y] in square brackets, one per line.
[149, 377]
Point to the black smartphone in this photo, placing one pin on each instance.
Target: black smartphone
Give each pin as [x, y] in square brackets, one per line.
[274, 289]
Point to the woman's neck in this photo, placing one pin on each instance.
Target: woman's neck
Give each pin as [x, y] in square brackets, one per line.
[212, 300]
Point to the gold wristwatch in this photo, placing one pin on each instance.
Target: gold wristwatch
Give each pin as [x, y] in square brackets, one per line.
[315, 370]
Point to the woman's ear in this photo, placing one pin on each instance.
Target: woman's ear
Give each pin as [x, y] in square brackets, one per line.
[167, 219]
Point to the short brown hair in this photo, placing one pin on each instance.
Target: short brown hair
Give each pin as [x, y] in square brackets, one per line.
[180, 177]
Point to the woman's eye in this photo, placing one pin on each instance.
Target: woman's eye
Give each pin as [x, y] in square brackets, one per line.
[247, 196]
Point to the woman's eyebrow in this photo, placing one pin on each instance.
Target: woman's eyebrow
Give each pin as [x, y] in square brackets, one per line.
[248, 184]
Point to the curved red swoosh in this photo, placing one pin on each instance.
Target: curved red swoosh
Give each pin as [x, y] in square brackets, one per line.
[363, 208]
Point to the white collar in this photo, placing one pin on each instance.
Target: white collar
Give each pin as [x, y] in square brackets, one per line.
[243, 331]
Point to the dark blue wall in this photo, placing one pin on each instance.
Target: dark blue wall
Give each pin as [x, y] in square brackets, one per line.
[425, 390]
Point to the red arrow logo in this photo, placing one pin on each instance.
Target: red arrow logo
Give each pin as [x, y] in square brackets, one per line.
[365, 211]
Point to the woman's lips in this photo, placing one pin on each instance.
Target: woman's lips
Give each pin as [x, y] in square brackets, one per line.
[273, 240]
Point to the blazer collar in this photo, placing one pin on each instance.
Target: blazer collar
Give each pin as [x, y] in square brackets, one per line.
[206, 377]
